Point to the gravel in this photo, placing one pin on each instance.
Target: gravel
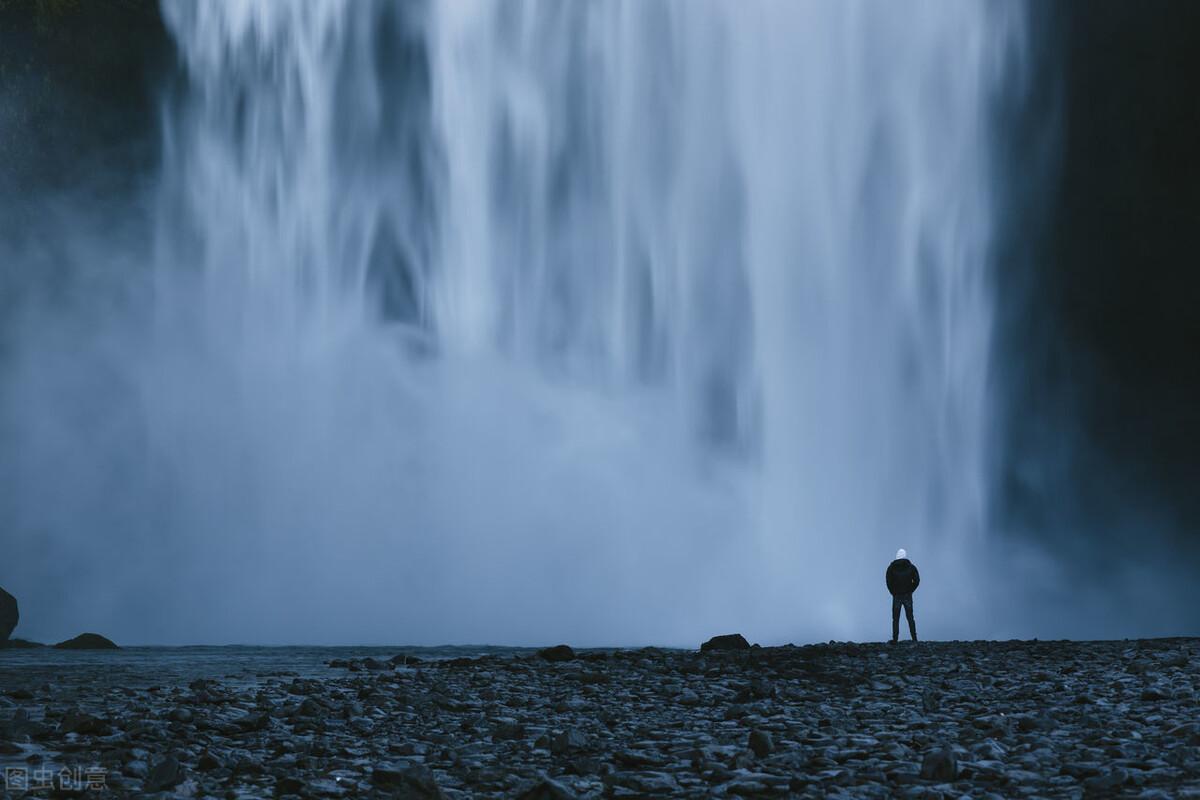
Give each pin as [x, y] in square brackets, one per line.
[935, 719]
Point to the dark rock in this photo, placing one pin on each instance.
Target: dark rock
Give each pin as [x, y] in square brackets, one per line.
[730, 641]
[1138, 667]
[254, 722]
[939, 765]
[584, 765]
[507, 729]
[19, 644]
[21, 727]
[87, 641]
[9, 614]
[736, 711]
[415, 783]
[404, 660]
[1179, 659]
[77, 722]
[546, 789]
[1028, 724]
[247, 766]
[1188, 732]
[643, 783]
[1103, 784]
[639, 759]
[208, 762]
[568, 740]
[181, 714]
[289, 785]
[310, 708]
[990, 749]
[164, 775]
[761, 743]
[594, 678]
[560, 652]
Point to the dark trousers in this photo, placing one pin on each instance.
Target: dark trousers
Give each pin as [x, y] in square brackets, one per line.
[906, 601]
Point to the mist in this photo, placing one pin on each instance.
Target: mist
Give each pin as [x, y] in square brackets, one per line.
[614, 324]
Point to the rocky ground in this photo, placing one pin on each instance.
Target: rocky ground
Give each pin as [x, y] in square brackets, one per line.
[982, 719]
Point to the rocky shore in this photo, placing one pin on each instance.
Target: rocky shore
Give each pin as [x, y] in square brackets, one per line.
[980, 719]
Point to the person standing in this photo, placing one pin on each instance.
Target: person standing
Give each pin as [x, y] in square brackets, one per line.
[902, 580]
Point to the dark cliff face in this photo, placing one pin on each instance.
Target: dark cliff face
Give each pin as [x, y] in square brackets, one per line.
[80, 84]
[76, 90]
[1099, 334]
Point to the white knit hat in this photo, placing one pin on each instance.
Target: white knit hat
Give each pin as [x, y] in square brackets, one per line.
[901, 554]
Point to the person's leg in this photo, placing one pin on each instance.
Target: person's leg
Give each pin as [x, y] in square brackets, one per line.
[895, 618]
[908, 612]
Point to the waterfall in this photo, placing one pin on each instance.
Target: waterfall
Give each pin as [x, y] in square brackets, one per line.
[519, 320]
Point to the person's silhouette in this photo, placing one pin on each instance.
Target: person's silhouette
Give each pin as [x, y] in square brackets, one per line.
[902, 581]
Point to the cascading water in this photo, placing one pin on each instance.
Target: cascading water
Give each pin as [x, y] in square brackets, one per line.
[525, 321]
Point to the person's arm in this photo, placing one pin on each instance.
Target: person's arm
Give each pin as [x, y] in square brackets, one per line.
[916, 578]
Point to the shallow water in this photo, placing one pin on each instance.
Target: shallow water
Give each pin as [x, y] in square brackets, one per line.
[141, 667]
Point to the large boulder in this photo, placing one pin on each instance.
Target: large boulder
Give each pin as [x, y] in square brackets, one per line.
[560, 652]
[9, 615]
[87, 641]
[730, 641]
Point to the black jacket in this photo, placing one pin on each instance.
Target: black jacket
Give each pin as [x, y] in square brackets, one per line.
[902, 577]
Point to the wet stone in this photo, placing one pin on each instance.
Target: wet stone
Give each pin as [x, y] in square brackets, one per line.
[939, 765]
[164, 774]
[567, 741]
[181, 714]
[546, 789]
[761, 743]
